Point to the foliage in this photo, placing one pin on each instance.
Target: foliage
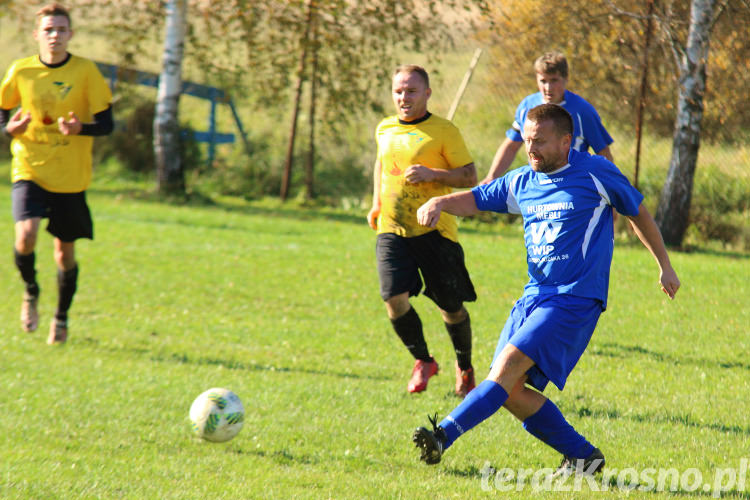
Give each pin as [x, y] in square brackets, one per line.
[604, 43]
[720, 210]
[281, 306]
[251, 46]
[346, 149]
[131, 143]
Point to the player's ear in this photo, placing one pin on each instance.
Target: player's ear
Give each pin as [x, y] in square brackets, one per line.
[428, 92]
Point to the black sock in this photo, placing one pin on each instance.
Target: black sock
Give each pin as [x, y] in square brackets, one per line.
[460, 334]
[26, 266]
[67, 282]
[409, 329]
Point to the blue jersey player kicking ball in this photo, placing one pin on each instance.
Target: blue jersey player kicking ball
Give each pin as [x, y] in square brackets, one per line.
[564, 197]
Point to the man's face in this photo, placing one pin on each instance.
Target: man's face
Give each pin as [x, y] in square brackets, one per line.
[410, 95]
[546, 149]
[53, 34]
[552, 87]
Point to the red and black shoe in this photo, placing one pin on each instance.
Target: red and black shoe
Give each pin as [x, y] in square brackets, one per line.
[421, 373]
[464, 381]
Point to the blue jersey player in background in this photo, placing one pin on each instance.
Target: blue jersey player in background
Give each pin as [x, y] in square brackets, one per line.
[551, 79]
[565, 199]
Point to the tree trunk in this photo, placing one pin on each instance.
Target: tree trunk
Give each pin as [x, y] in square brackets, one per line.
[672, 215]
[642, 94]
[304, 42]
[310, 162]
[169, 168]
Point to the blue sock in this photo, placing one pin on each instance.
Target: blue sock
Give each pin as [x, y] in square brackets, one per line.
[478, 405]
[549, 426]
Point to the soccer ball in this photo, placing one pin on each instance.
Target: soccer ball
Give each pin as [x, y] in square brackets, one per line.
[217, 415]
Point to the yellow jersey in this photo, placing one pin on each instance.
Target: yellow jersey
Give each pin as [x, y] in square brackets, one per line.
[433, 142]
[42, 154]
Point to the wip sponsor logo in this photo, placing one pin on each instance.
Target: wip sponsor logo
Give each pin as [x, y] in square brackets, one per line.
[543, 235]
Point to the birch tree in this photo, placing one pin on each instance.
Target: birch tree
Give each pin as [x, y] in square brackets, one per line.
[169, 167]
[672, 215]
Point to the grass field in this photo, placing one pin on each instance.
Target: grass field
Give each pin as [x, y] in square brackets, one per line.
[281, 306]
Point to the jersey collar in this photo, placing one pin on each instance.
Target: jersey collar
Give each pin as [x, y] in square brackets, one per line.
[414, 122]
[57, 65]
[555, 172]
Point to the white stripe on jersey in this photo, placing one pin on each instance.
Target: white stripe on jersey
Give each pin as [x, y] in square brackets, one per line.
[597, 215]
[580, 138]
[512, 202]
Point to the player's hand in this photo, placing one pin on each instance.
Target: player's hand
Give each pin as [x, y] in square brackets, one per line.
[486, 180]
[419, 173]
[18, 123]
[72, 126]
[429, 213]
[372, 217]
[669, 282]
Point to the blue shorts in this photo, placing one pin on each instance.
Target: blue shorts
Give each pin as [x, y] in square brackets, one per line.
[553, 330]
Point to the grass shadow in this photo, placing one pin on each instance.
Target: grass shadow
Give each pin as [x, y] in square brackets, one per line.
[620, 351]
[684, 420]
[240, 365]
[229, 364]
[266, 208]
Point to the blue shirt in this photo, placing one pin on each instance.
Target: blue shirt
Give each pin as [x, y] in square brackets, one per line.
[567, 221]
[588, 130]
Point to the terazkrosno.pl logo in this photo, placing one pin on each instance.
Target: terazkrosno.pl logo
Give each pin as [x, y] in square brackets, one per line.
[719, 481]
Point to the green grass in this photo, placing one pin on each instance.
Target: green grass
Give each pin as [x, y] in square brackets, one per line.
[281, 305]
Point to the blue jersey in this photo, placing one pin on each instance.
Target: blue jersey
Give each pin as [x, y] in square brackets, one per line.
[567, 221]
[588, 130]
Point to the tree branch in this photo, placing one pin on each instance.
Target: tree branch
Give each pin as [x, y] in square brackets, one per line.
[719, 11]
[619, 11]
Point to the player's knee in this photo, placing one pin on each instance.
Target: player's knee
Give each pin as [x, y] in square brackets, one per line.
[397, 306]
[25, 242]
[454, 317]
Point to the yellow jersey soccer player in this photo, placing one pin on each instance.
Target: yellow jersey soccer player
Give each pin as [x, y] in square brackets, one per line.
[62, 101]
[421, 155]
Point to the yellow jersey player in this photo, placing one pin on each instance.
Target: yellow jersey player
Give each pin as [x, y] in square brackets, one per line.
[61, 102]
[421, 155]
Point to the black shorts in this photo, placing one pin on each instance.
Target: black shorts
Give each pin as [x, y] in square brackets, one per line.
[68, 214]
[440, 261]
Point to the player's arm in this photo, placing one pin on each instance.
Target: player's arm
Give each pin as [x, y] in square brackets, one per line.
[461, 203]
[647, 231]
[16, 124]
[504, 156]
[607, 153]
[372, 215]
[460, 177]
[103, 124]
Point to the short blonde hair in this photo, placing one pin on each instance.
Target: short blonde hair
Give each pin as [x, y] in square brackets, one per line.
[552, 62]
[413, 68]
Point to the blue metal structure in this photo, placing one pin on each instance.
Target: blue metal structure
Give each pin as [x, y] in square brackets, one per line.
[212, 94]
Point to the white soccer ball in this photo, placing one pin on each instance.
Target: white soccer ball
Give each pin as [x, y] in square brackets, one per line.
[217, 415]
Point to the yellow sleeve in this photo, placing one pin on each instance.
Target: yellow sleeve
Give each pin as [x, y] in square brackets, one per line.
[454, 148]
[99, 95]
[9, 96]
